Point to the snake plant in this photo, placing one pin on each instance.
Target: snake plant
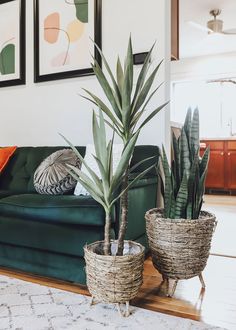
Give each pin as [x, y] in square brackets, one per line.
[184, 184]
[125, 106]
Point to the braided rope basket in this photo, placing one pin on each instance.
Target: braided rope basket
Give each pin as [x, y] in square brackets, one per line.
[180, 248]
[114, 279]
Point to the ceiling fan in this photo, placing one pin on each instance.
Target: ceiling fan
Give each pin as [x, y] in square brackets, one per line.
[215, 25]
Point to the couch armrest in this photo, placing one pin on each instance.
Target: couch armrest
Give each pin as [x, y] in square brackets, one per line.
[145, 181]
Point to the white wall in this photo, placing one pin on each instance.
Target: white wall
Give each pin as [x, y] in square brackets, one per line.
[204, 67]
[217, 115]
[34, 114]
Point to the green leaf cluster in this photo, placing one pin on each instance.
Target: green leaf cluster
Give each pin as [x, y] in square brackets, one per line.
[124, 110]
[184, 184]
[127, 101]
[104, 188]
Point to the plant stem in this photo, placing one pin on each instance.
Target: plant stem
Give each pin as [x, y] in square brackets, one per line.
[107, 230]
[124, 215]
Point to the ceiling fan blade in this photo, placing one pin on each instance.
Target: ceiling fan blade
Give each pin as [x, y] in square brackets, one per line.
[199, 26]
[229, 31]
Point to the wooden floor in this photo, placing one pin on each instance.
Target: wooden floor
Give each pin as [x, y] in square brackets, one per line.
[224, 207]
[215, 305]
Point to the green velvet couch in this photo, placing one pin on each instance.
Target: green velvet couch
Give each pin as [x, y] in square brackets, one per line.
[44, 234]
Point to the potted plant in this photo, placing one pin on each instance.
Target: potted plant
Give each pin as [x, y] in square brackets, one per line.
[127, 106]
[180, 234]
[114, 268]
[110, 278]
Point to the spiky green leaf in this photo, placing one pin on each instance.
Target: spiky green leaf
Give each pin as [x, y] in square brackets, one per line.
[141, 97]
[99, 138]
[107, 89]
[195, 142]
[184, 154]
[192, 186]
[133, 168]
[92, 193]
[91, 172]
[115, 86]
[84, 178]
[205, 160]
[142, 75]
[135, 180]
[168, 187]
[153, 114]
[129, 64]
[182, 198]
[101, 105]
[187, 124]
[119, 74]
[136, 116]
[176, 160]
[125, 160]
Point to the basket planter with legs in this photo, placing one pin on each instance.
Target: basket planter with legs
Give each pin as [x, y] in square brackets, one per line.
[114, 279]
[180, 247]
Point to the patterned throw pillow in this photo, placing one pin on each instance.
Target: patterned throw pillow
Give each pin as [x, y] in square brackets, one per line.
[52, 177]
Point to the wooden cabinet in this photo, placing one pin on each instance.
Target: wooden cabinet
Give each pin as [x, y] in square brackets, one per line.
[231, 162]
[222, 166]
[216, 174]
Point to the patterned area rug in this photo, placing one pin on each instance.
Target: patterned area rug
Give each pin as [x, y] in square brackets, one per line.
[29, 306]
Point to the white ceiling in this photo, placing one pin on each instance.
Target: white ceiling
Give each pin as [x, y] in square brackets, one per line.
[194, 42]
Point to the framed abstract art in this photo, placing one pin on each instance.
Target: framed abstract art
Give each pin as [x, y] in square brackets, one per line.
[12, 42]
[64, 30]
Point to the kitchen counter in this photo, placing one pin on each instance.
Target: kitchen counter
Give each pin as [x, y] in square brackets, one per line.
[229, 138]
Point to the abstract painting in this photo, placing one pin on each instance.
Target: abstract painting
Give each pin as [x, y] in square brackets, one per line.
[64, 30]
[12, 42]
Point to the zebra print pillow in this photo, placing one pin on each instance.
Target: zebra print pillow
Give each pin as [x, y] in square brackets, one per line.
[52, 177]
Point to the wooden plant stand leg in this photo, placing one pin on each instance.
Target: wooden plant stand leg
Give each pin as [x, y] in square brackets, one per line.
[199, 302]
[164, 279]
[125, 313]
[92, 302]
[202, 281]
[167, 281]
[171, 289]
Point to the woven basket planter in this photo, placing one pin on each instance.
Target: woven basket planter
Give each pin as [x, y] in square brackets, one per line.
[114, 279]
[180, 248]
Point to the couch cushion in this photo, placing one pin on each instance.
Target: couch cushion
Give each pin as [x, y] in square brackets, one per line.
[52, 177]
[67, 209]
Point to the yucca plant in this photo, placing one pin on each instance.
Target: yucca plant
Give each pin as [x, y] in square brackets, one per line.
[184, 184]
[106, 188]
[125, 108]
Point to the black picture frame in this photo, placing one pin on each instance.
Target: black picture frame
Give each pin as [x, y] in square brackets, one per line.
[71, 73]
[22, 51]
